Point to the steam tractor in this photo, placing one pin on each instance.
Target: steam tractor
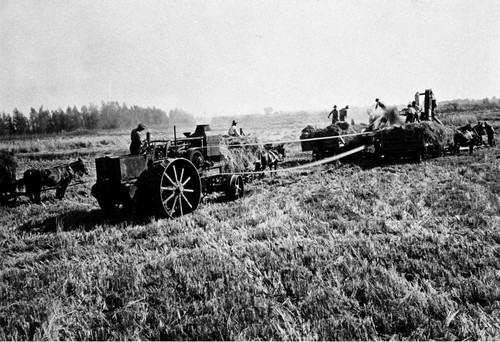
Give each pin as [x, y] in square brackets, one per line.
[168, 179]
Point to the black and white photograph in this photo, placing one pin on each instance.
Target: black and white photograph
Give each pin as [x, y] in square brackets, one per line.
[211, 170]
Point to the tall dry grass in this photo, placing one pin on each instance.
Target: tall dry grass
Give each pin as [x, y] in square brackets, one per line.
[458, 120]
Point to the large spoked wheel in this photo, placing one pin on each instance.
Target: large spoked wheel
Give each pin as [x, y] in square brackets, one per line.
[170, 188]
[235, 188]
[180, 188]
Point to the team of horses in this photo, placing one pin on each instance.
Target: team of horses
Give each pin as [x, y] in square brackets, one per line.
[34, 180]
[269, 157]
[470, 136]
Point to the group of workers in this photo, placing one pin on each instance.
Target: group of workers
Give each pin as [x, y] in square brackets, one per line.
[412, 112]
[338, 115]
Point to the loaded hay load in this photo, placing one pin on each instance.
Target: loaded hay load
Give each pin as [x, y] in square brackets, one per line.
[310, 132]
[320, 145]
[340, 128]
[414, 140]
[440, 136]
[241, 157]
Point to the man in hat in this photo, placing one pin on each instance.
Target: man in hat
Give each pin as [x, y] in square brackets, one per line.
[343, 113]
[234, 131]
[335, 114]
[135, 137]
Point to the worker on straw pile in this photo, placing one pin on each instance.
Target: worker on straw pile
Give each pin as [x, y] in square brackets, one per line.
[334, 114]
[135, 137]
[343, 113]
[380, 104]
[234, 131]
[415, 106]
[411, 114]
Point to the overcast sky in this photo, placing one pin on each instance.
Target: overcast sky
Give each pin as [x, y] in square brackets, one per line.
[237, 57]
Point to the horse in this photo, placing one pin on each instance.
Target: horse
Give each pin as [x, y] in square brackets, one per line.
[270, 156]
[58, 177]
[465, 136]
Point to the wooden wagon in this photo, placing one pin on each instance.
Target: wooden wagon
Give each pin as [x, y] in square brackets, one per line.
[397, 142]
[321, 148]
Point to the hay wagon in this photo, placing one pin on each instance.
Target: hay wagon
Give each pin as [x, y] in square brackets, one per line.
[169, 179]
[397, 142]
[322, 148]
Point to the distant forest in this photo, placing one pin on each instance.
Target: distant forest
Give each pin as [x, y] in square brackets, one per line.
[110, 115]
[469, 105]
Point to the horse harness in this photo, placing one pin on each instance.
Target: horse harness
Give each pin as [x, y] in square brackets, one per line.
[65, 172]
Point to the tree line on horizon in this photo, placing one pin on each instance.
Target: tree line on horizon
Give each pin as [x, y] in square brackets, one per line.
[110, 115]
[462, 105]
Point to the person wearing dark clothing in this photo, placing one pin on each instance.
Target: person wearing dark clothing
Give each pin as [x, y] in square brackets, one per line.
[379, 103]
[490, 132]
[334, 114]
[343, 113]
[416, 107]
[135, 137]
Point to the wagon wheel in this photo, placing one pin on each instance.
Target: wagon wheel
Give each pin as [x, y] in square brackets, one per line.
[180, 188]
[170, 188]
[196, 157]
[235, 188]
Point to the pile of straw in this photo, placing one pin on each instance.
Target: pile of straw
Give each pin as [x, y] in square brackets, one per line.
[339, 128]
[343, 125]
[390, 117]
[240, 158]
[310, 132]
[440, 136]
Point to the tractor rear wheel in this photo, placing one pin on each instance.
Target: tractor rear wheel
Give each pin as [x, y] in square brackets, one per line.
[170, 188]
